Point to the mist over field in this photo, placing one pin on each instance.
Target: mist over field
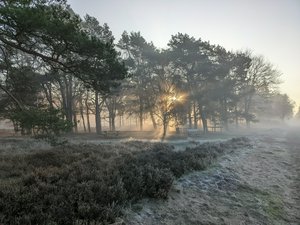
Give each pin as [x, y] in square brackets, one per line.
[99, 130]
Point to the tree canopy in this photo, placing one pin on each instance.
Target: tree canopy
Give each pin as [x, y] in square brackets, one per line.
[53, 59]
[50, 31]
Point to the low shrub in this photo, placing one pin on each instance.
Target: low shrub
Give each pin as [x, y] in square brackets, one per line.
[91, 184]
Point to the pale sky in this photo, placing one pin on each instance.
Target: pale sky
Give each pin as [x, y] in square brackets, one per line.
[267, 27]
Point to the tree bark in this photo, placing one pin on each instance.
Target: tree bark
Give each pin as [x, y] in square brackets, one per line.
[190, 117]
[113, 125]
[195, 116]
[141, 112]
[66, 95]
[225, 114]
[97, 113]
[248, 101]
[48, 92]
[111, 106]
[153, 120]
[87, 108]
[165, 126]
[82, 116]
[203, 119]
[75, 121]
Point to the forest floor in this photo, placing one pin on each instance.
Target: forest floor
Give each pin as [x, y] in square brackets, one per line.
[250, 186]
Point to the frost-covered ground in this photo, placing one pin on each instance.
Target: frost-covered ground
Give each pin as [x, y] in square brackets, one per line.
[258, 185]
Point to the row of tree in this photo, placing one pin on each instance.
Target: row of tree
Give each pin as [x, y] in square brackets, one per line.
[52, 59]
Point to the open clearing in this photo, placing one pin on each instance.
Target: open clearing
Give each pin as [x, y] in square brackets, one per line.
[248, 186]
[251, 185]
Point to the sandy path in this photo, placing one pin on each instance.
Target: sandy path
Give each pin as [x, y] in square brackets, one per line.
[258, 185]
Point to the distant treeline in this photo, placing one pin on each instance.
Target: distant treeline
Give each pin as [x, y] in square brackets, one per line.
[64, 69]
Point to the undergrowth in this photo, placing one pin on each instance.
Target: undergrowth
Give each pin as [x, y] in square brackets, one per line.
[90, 184]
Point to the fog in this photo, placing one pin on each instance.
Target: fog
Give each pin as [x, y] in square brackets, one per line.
[105, 128]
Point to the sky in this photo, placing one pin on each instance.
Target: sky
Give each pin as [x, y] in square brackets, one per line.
[266, 27]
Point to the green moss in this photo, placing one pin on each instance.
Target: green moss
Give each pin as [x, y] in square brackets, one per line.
[273, 206]
[267, 204]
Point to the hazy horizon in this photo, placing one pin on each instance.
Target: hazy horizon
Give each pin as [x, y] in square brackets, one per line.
[269, 28]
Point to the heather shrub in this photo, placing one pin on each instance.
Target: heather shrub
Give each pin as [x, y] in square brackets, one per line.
[89, 184]
[89, 190]
[146, 180]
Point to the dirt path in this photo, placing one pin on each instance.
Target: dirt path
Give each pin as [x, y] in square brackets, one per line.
[258, 185]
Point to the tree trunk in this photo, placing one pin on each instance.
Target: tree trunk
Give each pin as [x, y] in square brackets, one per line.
[97, 113]
[68, 99]
[88, 121]
[190, 118]
[87, 112]
[66, 95]
[48, 93]
[82, 116]
[224, 114]
[203, 119]
[112, 120]
[195, 116]
[111, 106]
[109, 122]
[113, 125]
[75, 121]
[153, 120]
[165, 126]
[248, 102]
[63, 97]
[141, 112]
[141, 121]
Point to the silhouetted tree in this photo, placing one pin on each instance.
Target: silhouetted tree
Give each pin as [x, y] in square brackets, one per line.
[139, 56]
[283, 106]
[262, 79]
[52, 33]
[191, 67]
